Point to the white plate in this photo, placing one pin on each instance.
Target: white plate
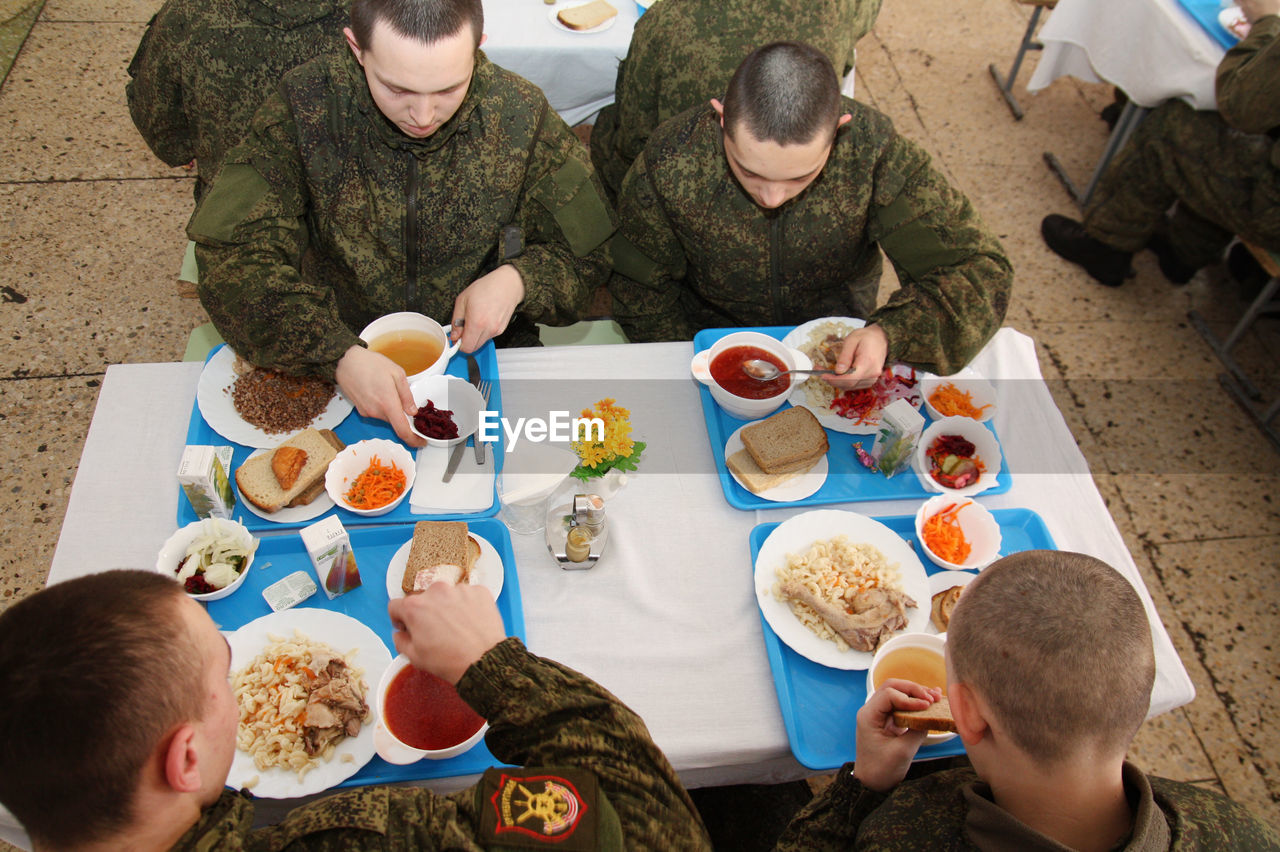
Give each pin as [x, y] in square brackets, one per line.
[796, 338]
[555, 22]
[487, 571]
[797, 535]
[344, 634]
[796, 488]
[213, 395]
[942, 581]
[286, 514]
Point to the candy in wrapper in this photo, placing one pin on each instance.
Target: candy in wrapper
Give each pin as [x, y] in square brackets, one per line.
[290, 591]
[900, 428]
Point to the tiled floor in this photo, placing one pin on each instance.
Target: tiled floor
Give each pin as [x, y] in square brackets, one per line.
[91, 236]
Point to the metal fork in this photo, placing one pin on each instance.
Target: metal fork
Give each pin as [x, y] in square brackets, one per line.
[485, 389]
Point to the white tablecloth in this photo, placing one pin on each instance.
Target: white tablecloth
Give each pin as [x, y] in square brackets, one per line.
[667, 620]
[1151, 49]
[575, 70]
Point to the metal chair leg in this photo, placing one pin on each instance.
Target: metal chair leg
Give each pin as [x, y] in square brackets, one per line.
[1130, 117]
[1006, 84]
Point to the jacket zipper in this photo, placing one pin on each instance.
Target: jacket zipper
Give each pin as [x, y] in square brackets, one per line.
[411, 238]
[775, 266]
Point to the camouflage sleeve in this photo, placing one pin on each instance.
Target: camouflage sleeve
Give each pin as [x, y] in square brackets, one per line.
[832, 818]
[566, 221]
[1248, 92]
[250, 233]
[649, 264]
[544, 714]
[154, 92]
[955, 276]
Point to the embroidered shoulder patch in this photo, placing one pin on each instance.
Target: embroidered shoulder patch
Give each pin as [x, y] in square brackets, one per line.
[537, 809]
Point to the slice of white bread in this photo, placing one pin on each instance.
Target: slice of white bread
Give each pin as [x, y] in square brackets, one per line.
[942, 605]
[257, 481]
[756, 480]
[439, 573]
[789, 441]
[935, 717]
[587, 16]
[438, 543]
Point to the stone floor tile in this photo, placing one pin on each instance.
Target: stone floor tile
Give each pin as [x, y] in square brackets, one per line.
[100, 11]
[1193, 507]
[1167, 746]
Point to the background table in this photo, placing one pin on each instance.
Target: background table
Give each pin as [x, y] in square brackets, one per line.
[576, 70]
[667, 620]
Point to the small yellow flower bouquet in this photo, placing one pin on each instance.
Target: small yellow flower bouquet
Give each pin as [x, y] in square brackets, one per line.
[601, 453]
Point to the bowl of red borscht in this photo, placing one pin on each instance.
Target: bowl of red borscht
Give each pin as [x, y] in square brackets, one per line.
[720, 369]
[421, 717]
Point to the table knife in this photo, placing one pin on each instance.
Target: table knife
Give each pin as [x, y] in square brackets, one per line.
[455, 459]
[473, 376]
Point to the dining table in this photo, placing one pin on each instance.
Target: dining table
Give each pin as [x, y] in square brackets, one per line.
[668, 618]
[576, 70]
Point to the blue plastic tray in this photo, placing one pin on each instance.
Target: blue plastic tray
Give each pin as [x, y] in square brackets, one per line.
[373, 546]
[847, 480]
[1205, 13]
[819, 703]
[353, 428]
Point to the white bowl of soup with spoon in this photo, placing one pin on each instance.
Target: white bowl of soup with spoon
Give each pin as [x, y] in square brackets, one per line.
[417, 343]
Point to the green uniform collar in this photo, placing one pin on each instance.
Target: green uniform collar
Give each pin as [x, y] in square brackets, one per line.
[387, 132]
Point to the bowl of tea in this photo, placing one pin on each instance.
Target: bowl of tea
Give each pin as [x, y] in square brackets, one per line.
[417, 343]
[421, 717]
[720, 368]
[917, 657]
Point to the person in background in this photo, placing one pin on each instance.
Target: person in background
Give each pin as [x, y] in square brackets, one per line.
[682, 54]
[772, 208]
[406, 174]
[1050, 668]
[119, 725]
[1222, 169]
[203, 68]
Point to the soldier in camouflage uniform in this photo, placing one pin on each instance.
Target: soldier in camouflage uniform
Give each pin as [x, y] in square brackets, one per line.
[410, 175]
[684, 52]
[203, 67]
[144, 674]
[1049, 674]
[1222, 169]
[727, 226]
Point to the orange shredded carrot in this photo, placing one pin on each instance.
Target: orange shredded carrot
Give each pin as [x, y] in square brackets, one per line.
[943, 536]
[377, 486]
[950, 401]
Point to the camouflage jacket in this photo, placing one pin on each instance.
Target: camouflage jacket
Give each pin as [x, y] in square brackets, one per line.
[708, 256]
[203, 67]
[326, 216]
[952, 809]
[541, 714]
[683, 53]
[1248, 83]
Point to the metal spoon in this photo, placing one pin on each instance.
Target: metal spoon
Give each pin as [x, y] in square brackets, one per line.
[764, 371]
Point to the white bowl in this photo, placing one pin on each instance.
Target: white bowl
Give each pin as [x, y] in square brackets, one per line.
[392, 749]
[175, 547]
[930, 641]
[355, 459]
[979, 527]
[410, 321]
[981, 391]
[985, 446]
[452, 394]
[742, 407]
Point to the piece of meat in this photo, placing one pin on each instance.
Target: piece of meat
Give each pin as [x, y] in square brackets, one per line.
[286, 464]
[865, 618]
[334, 707]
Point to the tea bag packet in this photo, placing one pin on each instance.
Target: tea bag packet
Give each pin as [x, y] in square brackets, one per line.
[900, 428]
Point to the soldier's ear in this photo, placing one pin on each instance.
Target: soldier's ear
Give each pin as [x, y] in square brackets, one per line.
[844, 119]
[353, 44]
[719, 108]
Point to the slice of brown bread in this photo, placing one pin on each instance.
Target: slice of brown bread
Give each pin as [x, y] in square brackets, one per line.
[586, 16]
[257, 481]
[789, 441]
[942, 605]
[435, 543]
[935, 717]
[756, 480]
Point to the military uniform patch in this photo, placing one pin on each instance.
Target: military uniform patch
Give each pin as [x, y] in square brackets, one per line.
[538, 808]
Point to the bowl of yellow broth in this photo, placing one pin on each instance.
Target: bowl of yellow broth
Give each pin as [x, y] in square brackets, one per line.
[917, 657]
[416, 343]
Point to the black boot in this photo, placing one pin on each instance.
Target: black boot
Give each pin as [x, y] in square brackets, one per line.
[1247, 272]
[1068, 239]
[1173, 267]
